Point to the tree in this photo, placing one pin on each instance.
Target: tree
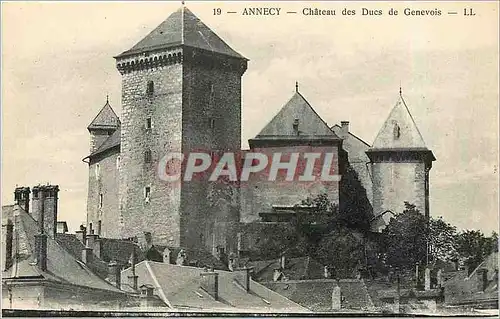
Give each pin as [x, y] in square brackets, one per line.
[442, 240]
[473, 247]
[405, 239]
[341, 251]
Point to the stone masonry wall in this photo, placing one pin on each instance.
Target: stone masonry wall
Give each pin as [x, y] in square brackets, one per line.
[394, 183]
[107, 184]
[160, 215]
[211, 122]
[258, 194]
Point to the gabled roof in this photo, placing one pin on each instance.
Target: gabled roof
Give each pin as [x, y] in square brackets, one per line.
[179, 287]
[62, 267]
[399, 130]
[310, 124]
[182, 28]
[106, 119]
[337, 130]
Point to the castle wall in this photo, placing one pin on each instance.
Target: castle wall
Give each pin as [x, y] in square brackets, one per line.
[258, 195]
[160, 215]
[107, 184]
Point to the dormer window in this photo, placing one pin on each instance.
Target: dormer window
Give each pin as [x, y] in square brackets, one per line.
[150, 88]
[397, 131]
[295, 126]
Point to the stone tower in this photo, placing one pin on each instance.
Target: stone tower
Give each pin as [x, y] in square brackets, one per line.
[181, 92]
[400, 165]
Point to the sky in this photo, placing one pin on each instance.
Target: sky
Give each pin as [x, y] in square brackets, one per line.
[58, 67]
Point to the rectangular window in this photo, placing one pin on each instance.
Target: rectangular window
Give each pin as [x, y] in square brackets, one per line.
[147, 156]
[97, 171]
[100, 200]
[147, 194]
[212, 123]
[148, 123]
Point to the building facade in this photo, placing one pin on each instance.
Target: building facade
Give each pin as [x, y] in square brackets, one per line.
[181, 92]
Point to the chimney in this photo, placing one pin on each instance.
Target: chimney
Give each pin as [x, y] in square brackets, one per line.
[210, 283]
[344, 128]
[41, 251]
[282, 262]
[336, 298]
[242, 276]
[50, 210]
[8, 232]
[22, 197]
[94, 242]
[148, 241]
[166, 256]
[82, 234]
[114, 273]
[37, 205]
[133, 278]
[482, 279]
[87, 255]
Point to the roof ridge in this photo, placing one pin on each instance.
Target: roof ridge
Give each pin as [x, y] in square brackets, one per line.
[310, 106]
[411, 117]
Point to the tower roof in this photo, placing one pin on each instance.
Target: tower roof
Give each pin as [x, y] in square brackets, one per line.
[399, 130]
[106, 119]
[182, 28]
[296, 119]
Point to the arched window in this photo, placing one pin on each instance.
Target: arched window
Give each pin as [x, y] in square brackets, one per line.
[150, 88]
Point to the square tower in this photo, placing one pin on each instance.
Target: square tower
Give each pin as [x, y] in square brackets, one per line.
[181, 92]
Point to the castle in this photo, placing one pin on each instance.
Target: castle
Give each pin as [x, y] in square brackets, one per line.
[181, 92]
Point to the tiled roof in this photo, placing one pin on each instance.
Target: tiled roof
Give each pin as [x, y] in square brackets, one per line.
[196, 258]
[316, 295]
[112, 141]
[182, 28]
[179, 287]
[74, 246]
[62, 266]
[399, 130]
[295, 269]
[310, 124]
[105, 119]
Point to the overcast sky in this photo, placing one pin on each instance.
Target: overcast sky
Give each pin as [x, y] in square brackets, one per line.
[58, 67]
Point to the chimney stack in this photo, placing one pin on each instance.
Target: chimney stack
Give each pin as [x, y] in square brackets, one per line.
[114, 273]
[344, 128]
[87, 255]
[37, 205]
[8, 232]
[44, 208]
[94, 242]
[22, 197]
[242, 276]
[210, 283]
[133, 278]
[82, 234]
[166, 256]
[41, 251]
